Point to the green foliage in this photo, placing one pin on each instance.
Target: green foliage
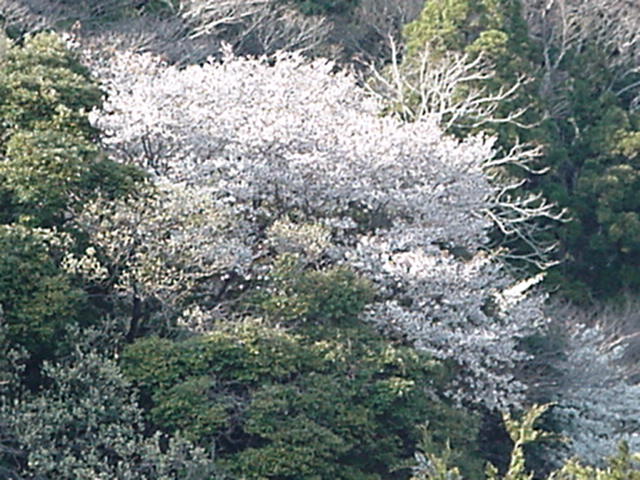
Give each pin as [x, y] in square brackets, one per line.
[315, 7]
[327, 398]
[590, 147]
[599, 179]
[36, 297]
[493, 30]
[39, 78]
[87, 425]
[330, 404]
[50, 159]
[42, 167]
[494, 27]
[431, 464]
[522, 432]
[292, 293]
[49, 164]
[440, 466]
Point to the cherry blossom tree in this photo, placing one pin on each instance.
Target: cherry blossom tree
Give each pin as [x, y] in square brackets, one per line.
[402, 203]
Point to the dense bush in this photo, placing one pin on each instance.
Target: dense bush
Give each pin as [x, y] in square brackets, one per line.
[42, 80]
[87, 425]
[328, 398]
[36, 297]
[336, 296]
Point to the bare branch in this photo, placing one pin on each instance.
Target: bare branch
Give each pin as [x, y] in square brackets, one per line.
[565, 27]
[432, 86]
[448, 88]
[255, 26]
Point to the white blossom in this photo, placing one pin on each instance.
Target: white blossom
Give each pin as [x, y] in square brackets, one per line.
[403, 203]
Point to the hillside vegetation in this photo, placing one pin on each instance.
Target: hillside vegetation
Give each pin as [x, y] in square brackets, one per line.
[319, 240]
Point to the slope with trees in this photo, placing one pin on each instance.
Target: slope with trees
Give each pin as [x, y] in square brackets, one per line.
[242, 268]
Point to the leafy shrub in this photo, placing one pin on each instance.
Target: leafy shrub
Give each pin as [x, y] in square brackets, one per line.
[334, 296]
[328, 398]
[37, 299]
[87, 425]
[40, 78]
[324, 402]
[51, 160]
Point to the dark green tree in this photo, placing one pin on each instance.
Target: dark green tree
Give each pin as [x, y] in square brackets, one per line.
[581, 111]
[594, 171]
[308, 391]
[49, 158]
[50, 163]
[37, 298]
[493, 30]
[86, 425]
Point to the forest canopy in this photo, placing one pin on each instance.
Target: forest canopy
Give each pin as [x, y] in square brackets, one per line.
[289, 240]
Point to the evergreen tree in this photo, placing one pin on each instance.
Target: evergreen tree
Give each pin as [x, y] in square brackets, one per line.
[50, 163]
[580, 110]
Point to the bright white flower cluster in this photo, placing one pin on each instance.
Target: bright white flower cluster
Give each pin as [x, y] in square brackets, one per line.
[461, 309]
[297, 137]
[401, 201]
